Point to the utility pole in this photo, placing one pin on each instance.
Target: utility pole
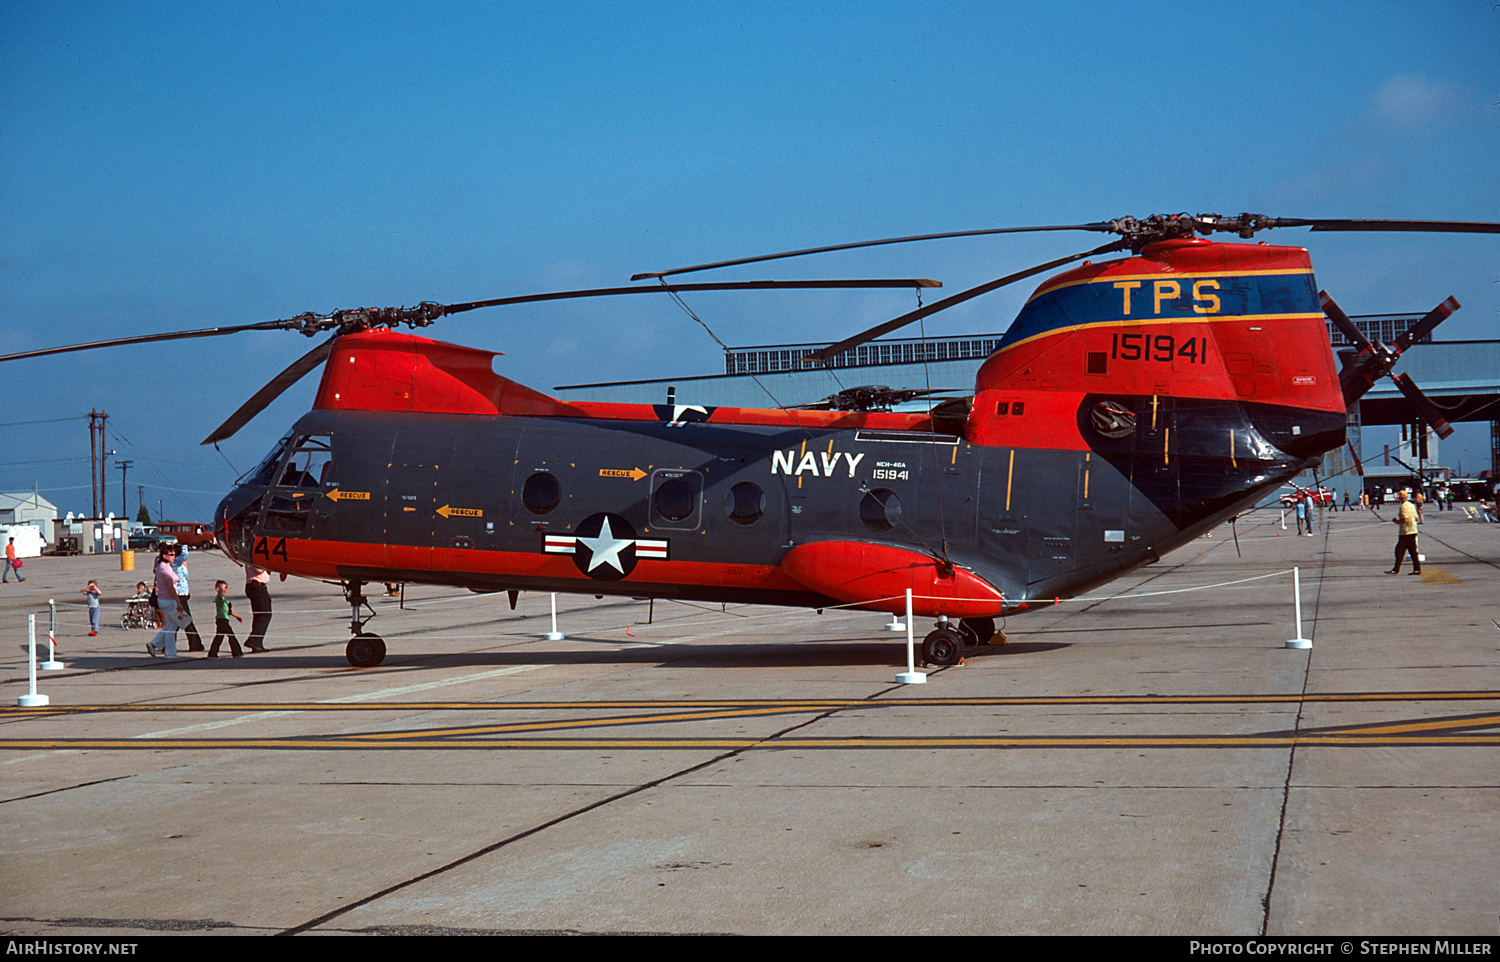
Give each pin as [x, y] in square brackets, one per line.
[97, 464]
[123, 466]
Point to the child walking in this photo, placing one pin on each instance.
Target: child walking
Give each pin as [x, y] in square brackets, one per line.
[223, 611]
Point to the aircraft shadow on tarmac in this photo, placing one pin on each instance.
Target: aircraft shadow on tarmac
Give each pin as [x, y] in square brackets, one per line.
[805, 654]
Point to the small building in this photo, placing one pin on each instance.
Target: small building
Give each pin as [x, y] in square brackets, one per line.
[27, 507]
[106, 535]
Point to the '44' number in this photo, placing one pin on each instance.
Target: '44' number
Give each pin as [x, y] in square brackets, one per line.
[265, 550]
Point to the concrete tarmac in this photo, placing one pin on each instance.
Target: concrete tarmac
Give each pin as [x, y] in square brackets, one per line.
[1149, 760]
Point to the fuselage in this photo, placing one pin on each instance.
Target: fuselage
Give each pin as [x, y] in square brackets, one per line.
[1131, 406]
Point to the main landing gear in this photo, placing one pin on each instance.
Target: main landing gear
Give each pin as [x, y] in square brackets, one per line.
[365, 650]
[948, 643]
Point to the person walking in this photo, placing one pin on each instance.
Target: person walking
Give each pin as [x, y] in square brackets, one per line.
[1304, 518]
[257, 581]
[1406, 526]
[11, 562]
[223, 611]
[180, 571]
[165, 642]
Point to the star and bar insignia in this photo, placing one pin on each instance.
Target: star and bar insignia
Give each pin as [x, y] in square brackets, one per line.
[604, 547]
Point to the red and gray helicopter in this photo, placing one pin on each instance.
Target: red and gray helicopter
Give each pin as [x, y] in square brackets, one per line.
[1134, 403]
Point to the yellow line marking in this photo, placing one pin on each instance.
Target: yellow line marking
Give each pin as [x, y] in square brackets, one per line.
[1424, 732]
[347, 702]
[315, 743]
[1433, 575]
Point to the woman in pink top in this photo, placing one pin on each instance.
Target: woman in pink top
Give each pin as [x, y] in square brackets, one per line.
[165, 642]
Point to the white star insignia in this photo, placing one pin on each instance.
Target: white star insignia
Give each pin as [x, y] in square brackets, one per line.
[606, 548]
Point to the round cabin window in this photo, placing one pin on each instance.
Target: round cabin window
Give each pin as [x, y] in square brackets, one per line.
[745, 503]
[880, 509]
[541, 493]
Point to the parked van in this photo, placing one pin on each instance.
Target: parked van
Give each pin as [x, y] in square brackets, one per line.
[190, 533]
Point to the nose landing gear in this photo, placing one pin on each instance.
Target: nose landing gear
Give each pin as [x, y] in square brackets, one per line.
[948, 643]
[365, 650]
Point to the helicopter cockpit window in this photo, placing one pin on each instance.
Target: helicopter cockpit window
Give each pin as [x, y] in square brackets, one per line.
[308, 468]
[266, 469]
[310, 464]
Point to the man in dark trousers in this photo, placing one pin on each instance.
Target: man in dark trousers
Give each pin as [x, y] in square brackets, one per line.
[257, 581]
[1406, 523]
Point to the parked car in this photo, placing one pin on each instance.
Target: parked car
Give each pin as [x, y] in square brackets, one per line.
[147, 540]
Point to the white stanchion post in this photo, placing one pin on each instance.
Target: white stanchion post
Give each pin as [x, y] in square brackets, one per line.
[52, 664]
[554, 634]
[894, 624]
[32, 700]
[910, 676]
[1298, 641]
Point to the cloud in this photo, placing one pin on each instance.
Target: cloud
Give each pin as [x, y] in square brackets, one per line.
[1412, 104]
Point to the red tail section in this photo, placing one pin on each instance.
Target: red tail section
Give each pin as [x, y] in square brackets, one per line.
[1185, 318]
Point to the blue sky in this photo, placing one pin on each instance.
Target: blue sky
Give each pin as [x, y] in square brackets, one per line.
[178, 165]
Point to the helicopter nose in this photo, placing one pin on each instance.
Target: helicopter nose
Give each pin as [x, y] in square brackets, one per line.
[235, 516]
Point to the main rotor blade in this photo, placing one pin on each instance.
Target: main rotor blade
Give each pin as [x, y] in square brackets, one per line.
[1412, 226]
[869, 243]
[148, 338]
[834, 350]
[665, 288]
[273, 390]
[1424, 327]
[1426, 410]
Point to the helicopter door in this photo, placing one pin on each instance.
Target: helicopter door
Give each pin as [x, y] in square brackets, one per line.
[1154, 474]
[1102, 501]
[410, 515]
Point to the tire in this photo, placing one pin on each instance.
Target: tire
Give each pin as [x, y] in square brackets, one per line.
[365, 651]
[942, 647]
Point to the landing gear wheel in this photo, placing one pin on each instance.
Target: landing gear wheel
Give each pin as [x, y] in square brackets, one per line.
[944, 647]
[365, 651]
[977, 631]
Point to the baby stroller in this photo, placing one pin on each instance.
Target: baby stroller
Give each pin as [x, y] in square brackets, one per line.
[138, 614]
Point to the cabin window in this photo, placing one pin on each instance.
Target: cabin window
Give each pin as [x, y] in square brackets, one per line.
[1018, 408]
[676, 498]
[745, 503]
[1003, 408]
[880, 509]
[673, 499]
[541, 493]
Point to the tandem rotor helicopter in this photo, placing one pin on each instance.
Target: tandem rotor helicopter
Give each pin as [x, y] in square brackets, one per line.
[1133, 403]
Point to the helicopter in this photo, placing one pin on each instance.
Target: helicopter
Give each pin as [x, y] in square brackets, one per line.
[1134, 403]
